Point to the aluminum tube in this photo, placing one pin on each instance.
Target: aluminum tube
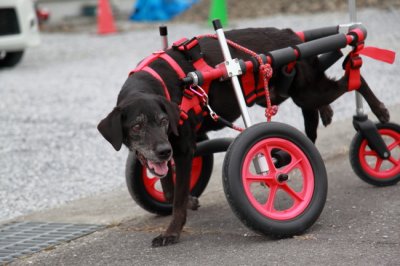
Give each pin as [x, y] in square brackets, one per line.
[353, 19]
[235, 81]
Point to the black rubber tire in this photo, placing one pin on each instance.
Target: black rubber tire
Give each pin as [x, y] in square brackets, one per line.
[134, 182]
[234, 190]
[11, 59]
[357, 166]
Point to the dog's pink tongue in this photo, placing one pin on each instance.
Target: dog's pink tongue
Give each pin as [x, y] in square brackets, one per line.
[160, 169]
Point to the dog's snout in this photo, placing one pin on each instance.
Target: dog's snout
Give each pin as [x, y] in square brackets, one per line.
[163, 151]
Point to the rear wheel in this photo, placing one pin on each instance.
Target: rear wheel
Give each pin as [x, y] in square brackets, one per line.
[271, 196]
[367, 164]
[10, 59]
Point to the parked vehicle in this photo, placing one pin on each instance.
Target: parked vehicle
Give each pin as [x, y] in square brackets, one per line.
[18, 30]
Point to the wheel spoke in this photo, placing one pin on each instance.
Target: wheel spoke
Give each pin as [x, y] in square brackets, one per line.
[370, 153]
[290, 166]
[291, 192]
[258, 178]
[393, 161]
[269, 205]
[393, 145]
[378, 164]
[268, 157]
[150, 182]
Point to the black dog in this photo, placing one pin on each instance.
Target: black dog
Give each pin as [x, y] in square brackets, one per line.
[146, 122]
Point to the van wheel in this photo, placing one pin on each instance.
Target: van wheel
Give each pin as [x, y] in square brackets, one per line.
[10, 59]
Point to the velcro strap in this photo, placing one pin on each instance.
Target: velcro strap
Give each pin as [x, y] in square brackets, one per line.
[379, 54]
[356, 62]
[353, 62]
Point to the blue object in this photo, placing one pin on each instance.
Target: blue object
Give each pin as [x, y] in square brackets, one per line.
[159, 10]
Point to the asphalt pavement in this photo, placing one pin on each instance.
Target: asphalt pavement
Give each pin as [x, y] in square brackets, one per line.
[56, 167]
[358, 226]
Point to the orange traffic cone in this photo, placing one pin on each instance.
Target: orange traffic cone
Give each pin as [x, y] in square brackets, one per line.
[105, 20]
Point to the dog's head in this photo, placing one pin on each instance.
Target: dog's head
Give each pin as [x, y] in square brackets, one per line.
[143, 124]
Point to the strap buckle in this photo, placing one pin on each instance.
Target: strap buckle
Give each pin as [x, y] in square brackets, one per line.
[190, 48]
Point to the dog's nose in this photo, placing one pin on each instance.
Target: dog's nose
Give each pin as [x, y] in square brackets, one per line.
[163, 151]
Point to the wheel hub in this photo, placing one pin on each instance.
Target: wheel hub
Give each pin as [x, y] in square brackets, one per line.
[282, 178]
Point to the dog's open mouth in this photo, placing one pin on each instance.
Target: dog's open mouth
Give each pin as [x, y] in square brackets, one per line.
[159, 169]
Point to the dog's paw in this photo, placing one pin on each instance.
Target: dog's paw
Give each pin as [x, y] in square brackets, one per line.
[326, 114]
[382, 113]
[193, 203]
[164, 240]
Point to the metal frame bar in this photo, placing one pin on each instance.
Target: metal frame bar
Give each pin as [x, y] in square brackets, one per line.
[353, 19]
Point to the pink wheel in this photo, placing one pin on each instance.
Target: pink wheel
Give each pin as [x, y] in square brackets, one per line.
[369, 166]
[271, 195]
[283, 198]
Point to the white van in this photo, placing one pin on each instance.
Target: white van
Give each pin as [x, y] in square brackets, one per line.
[18, 30]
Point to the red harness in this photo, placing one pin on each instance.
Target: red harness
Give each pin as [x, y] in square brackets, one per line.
[144, 66]
[190, 100]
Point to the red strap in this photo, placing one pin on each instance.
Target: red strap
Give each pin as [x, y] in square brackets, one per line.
[145, 62]
[379, 54]
[179, 71]
[155, 74]
[353, 72]
[189, 102]
[354, 62]
[160, 54]
[143, 66]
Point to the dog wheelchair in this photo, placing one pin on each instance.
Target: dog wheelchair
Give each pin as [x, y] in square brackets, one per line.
[273, 176]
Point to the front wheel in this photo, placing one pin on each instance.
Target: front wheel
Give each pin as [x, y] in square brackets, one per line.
[367, 164]
[146, 190]
[272, 197]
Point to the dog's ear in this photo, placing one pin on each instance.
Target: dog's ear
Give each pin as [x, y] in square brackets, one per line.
[172, 111]
[111, 128]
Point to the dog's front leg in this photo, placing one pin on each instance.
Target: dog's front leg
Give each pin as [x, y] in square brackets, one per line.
[168, 186]
[183, 166]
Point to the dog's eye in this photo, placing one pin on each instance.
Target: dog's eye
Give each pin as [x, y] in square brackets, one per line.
[136, 127]
[164, 122]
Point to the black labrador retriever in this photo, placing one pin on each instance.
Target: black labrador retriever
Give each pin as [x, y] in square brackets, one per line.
[147, 123]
